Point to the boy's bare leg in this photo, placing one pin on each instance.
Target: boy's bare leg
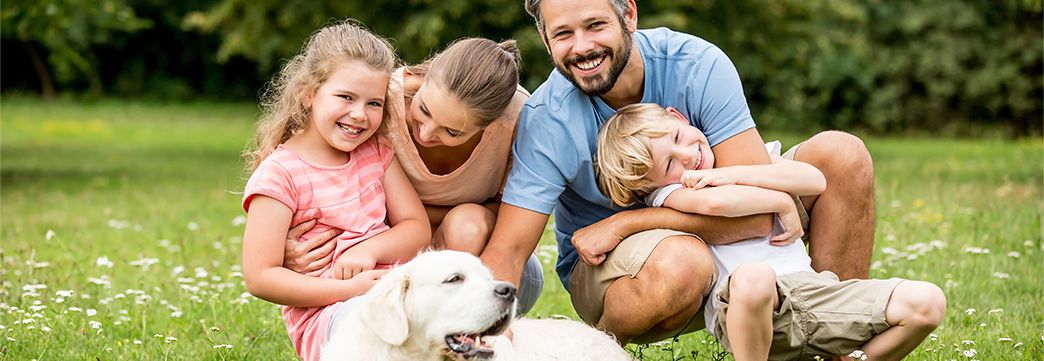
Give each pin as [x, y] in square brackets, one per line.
[914, 310]
[841, 229]
[748, 320]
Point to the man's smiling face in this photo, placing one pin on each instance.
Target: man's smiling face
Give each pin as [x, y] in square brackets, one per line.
[589, 43]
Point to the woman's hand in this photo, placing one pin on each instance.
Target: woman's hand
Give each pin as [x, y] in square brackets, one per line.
[308, 257]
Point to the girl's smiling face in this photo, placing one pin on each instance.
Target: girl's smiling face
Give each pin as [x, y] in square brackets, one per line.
[347, 109]
[684, 147]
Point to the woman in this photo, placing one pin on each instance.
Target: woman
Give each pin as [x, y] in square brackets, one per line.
[452, 124]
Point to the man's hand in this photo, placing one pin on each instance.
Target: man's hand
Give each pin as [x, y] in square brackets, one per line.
[308, 257]
[791, 227]
[697, 179]
[595, 241]
[348, 266]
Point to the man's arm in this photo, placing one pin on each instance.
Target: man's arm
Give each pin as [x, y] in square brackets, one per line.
[514, 238]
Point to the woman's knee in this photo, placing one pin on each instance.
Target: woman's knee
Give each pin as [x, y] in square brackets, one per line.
[752, 284]
[467, 227]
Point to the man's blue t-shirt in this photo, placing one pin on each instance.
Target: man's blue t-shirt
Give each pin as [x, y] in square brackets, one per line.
[558, 129]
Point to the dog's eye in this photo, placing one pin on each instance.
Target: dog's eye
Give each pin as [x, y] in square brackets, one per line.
[455, 278]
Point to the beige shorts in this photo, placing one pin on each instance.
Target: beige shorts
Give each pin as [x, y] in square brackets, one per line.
[819, 315]
[588, 284]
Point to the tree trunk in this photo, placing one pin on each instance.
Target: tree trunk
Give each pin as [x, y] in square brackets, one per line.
[44, 76]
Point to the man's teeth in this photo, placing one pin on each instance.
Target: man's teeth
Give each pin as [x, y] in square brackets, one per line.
[350, 130]
[590, 64]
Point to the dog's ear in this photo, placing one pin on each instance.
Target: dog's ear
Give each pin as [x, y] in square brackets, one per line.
[385, 313]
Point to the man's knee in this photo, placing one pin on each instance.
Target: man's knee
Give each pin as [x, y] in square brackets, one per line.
[838, 153]
[682, 266]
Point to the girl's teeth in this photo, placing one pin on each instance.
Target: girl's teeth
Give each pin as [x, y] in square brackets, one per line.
[350, 130]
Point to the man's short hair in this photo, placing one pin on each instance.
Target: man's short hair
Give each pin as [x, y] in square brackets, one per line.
[533, 8]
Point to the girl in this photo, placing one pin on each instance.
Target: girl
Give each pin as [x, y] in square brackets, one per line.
[452, 129]
[316, 157]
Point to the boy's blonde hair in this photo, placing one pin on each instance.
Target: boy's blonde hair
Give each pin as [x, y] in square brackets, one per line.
[624, 154]
[481, 73]
[283, 109]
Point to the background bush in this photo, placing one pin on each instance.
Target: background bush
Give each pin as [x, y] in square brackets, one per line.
[928, 66]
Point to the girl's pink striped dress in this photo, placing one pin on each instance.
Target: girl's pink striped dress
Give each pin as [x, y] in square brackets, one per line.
[349, 197]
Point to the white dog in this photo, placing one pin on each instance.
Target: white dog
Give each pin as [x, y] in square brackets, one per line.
[445, 305]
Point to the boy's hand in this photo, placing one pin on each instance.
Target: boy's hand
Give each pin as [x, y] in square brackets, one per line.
[348, 266]
[791, 228]
[698, 179]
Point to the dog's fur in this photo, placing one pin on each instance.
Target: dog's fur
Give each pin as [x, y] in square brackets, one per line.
[417, 310]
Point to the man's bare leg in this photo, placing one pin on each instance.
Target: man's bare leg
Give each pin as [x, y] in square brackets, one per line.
[841, 229]
[665, 294]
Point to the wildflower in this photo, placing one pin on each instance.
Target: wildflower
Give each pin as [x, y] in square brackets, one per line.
[37, 308]
[144, 263]
[136, 342]
[224, 346]
[969, 353]
[39, 264]
[239, 220]
[177, 270]
[995, 310]
[1001, 275]
[968, 342]
[175, 314]
[103, 261]
[103, 281]
[976, 250]
[858, 355]
[1017, 345]
[91, 312]
[64, 293]
[45, 329]
[192, 226]
[1004, 339]
[170, 339]
[95, 324]
[1014, 254]
[215, 330]
[75, 309]
[118, 224]
[50, 234]
[970, 311]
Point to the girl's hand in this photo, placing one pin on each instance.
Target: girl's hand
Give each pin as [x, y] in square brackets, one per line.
[697, 179]
[365, 280]
[791, 227]
[350, 265]
[308, 257]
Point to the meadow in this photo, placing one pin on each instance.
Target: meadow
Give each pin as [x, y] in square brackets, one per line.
[121, 225]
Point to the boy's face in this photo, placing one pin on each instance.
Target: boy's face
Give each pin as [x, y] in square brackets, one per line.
[683, 148]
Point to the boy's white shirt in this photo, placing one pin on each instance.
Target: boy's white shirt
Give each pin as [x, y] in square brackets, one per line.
[787, 259]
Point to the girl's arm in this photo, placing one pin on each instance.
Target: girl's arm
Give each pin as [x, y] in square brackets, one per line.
[410, 231]
[783, 175]
[265, 277]
[729, 201]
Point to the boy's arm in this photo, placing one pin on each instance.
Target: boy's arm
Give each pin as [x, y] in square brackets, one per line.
[728, 201]
[782, 175]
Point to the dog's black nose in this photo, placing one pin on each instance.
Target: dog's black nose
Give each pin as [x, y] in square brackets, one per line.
[504, 290]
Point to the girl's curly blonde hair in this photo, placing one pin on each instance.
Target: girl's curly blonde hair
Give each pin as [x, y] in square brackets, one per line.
[283, 109]
[624, 154]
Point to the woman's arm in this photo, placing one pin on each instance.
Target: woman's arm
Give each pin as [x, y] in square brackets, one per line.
[263, 246]
[729, 201]
[783, 175]
[410, 230]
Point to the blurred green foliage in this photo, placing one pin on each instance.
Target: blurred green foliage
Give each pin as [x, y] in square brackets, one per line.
[883, 66]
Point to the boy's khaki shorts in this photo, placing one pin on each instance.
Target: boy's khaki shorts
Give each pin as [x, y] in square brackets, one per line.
[819, 315]
[588, 284]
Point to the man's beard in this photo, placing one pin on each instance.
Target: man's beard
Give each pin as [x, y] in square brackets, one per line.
[600, 84]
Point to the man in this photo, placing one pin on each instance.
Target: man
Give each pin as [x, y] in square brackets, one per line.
[641, 273]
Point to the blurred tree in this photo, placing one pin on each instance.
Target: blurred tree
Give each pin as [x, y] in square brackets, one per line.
[67, 29]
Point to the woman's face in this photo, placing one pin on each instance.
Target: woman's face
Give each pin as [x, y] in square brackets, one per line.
[440, 119]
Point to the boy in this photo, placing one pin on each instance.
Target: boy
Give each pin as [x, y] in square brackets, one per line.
[768, 303]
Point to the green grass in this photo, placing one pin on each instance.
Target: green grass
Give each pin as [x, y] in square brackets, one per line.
[155, 190]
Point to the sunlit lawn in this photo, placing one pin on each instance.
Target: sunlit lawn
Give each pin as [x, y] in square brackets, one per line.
[121, 233]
